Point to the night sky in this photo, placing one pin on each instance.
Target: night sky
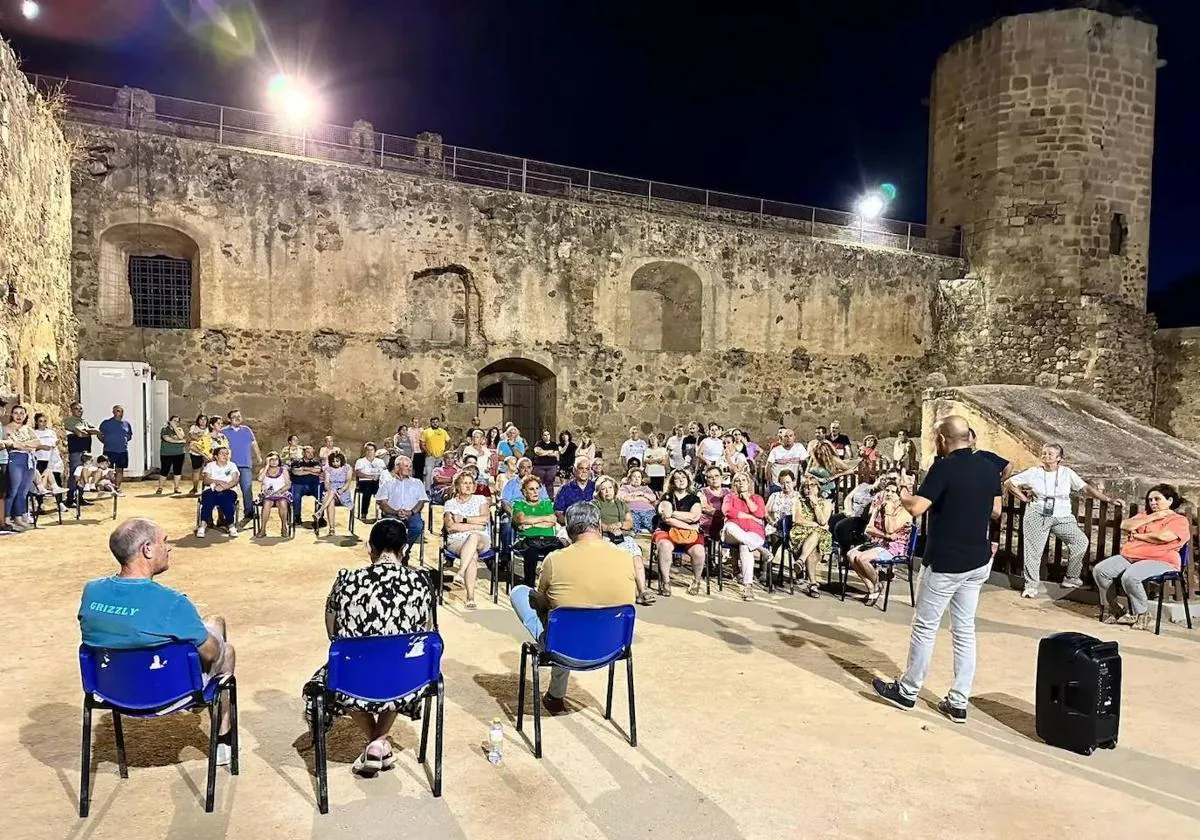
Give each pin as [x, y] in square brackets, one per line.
[796, 101]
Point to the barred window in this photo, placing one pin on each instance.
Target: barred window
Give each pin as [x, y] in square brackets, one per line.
[161, 288]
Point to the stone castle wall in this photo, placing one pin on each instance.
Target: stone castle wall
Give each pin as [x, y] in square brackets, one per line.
[341, 298]
[37, 329]
[1177, 382]
[1041, 138]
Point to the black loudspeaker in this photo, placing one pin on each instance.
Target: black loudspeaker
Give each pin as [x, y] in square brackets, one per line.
[1078, 692]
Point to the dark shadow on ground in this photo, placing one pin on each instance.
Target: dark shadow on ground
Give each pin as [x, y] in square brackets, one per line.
[1016, 714]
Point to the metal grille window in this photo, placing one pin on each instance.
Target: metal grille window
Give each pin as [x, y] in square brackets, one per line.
[161, 288]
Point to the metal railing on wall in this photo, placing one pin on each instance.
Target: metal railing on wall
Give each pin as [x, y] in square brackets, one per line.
[426, 155]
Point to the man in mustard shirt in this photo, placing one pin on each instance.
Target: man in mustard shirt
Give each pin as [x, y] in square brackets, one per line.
[434, 441]
[592, 572]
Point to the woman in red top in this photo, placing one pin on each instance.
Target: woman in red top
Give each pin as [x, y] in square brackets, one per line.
[1152, 543]
[746, 527]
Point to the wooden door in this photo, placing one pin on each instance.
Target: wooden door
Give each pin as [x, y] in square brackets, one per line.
[520, 407]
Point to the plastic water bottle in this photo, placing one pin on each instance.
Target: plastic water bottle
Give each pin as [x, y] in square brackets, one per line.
[496, 742]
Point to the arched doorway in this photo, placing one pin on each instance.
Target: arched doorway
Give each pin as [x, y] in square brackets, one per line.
[520, 391]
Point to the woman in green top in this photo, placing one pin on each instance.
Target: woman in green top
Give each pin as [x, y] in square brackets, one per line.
[533, 518]
[171, 448]
[616, 521]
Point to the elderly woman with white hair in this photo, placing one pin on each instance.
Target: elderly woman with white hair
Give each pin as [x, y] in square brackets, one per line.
[465, 520]
[1046, 490]
[616, 523]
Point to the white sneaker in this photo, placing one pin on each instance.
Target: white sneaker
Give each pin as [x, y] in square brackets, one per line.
[200, 531]
[1072, 583]
[1030, 592]
[233, 530]
[27, 519]
[118, 493]
[62, 508]
[224, 754]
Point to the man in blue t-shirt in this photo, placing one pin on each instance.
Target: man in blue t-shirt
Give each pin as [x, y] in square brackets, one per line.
[115, 434]
[581, 488]
[131, 610]
[244, 453]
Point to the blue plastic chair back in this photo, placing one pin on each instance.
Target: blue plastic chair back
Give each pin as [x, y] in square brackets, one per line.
[383, 668]
[589, 637]
[142, 679]
[913, 536]
[1185, 556]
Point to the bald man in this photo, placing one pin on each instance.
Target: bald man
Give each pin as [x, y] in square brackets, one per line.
[961, 492]
[131, 610]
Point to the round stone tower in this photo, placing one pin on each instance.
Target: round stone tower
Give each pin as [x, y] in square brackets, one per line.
[1041, 139]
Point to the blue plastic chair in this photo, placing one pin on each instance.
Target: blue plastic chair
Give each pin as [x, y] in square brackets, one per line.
[581, 639]
[381, 669]
[905, 560]
[150, 682]
[1171, 577]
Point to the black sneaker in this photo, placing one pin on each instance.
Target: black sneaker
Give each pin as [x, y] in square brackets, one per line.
[953, 712]
[890, 691]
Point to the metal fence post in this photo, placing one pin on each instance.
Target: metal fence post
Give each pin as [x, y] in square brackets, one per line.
[761, 204]
[812, 224]
[649, 193]
[221, 125]
[908, 241]
[706, 199]
[382, 138]
[524, 172]
[454, 162]
[589, 185]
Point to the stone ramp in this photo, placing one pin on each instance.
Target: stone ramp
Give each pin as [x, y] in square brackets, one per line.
[1102, 442]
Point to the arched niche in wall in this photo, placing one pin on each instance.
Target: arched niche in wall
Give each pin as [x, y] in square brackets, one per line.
[443, 306]
[666, 308]
[149, 277]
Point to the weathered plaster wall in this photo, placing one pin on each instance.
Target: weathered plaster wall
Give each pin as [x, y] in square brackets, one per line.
[343, 298]
[1177, 382]
[1041, 138]
[37, 329]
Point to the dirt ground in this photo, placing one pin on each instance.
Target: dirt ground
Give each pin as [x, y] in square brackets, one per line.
[754, 720]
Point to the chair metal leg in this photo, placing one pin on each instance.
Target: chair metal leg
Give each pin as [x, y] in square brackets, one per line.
[119, 734]
[214, 723]
[632, 700]
[537, 710]
[319, 752]
[233, 726]
[521, 688]
[441, 583]
[425, 728]
[1162, 587]
[437, 738]
[1187, 610]
[612, 670]
[85, 765]
[887, 590]
[912, 592]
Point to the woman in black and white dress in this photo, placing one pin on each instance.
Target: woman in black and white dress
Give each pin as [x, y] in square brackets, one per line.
[385, 598]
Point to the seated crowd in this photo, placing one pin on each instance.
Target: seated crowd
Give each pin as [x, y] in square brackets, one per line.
[696, 495]
[574, 532]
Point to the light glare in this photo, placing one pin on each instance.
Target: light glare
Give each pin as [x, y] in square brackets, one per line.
[293, 101]
[30, 10]
[870, 206]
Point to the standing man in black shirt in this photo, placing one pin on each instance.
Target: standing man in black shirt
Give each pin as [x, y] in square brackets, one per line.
[962, 493]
